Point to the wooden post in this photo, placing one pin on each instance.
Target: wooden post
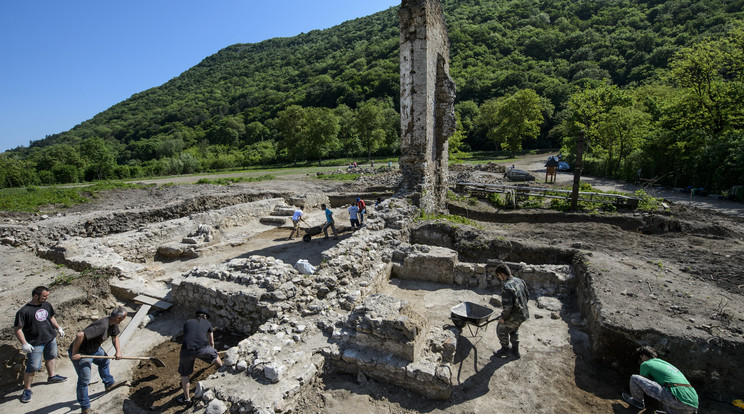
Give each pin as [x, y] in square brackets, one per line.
[577, 171]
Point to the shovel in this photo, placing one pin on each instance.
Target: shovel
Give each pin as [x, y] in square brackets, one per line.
[158, 363]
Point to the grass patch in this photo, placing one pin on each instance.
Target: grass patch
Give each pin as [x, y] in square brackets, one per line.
[33, 199]
[598, 203]
[446, 217]
[234, 180]
[338, 177]
[462, 198]
[64, 278]
[647, 202]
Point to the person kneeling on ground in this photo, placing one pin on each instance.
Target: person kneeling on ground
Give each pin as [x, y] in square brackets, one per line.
[514, 296]
[661, 381]
[198, 342]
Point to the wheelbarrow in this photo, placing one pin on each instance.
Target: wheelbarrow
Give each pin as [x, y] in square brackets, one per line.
[310, 232]
[471, 314]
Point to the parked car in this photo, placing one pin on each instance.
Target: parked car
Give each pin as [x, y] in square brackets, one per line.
[514, 174]
[555, 160]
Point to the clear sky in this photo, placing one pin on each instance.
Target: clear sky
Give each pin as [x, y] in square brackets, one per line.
[62, 62]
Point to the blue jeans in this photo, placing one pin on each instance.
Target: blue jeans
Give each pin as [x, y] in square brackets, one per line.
[33, 361]
[82, 368]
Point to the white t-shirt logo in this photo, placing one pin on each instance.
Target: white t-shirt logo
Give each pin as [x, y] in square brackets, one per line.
[41, 315]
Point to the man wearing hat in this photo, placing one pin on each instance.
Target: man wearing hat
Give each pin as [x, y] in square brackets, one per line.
[198, 342]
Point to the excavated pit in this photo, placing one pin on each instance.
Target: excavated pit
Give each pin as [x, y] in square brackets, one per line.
[378, 306]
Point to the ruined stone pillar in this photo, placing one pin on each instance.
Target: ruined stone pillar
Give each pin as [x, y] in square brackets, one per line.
[427, 98]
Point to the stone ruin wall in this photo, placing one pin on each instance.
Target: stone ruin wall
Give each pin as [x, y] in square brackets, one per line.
[708, 360]
[426, 103]
[300, 325]
[334, 318]
[326, 317]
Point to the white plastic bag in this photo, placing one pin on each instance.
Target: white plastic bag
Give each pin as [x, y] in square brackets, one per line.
[304, 267]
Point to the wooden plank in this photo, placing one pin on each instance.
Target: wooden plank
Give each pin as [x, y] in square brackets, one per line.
[132, 326]
[160, 304]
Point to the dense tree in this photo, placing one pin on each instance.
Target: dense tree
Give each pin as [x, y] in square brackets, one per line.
[229, 110]
[369, 123]
[320, 132]
[289, 124]
[511, 119]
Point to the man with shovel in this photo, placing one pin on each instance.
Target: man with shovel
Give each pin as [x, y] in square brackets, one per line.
[296, 219]
[198, 342]
[88, 342]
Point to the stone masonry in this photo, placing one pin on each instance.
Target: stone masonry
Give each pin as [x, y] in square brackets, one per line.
[427, 97]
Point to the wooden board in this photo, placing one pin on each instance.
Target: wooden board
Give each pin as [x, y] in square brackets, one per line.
[160, 304]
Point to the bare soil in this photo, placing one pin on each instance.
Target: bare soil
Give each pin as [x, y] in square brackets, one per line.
[692, 272]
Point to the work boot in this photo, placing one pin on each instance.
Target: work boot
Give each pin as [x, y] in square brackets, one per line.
[515, 350]
[630, 400]
[502, 353]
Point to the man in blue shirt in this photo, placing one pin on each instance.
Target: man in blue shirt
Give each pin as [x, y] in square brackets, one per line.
[329, 222]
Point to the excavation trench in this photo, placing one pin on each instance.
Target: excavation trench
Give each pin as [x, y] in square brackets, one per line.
[374, 318]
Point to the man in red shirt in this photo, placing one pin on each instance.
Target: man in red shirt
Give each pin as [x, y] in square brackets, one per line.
[362, 210]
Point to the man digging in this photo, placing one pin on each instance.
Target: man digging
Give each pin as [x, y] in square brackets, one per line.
[198, 342]
[88, 342]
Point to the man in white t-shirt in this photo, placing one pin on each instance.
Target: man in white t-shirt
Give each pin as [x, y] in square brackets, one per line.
[354, 216]
[296, 218]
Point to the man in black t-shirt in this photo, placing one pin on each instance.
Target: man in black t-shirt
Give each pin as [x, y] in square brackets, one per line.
[88, 342]
[36, 329]
[198, 342]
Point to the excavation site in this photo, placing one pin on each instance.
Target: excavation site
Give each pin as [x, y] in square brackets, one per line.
[372, 327]
[397, 315]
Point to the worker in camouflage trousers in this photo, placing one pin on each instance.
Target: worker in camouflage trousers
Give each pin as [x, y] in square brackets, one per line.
[514, 296]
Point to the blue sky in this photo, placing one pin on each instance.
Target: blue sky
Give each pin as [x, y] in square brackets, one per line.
[65, 61]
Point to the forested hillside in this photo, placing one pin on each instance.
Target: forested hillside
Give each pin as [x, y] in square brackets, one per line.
[657, 86]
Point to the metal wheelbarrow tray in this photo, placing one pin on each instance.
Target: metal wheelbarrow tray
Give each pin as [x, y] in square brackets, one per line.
[471, 314]
[310, 232]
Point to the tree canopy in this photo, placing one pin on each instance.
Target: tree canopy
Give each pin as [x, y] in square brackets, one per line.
[656, 86]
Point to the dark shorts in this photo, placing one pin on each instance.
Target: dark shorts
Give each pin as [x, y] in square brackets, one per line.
[186, 362]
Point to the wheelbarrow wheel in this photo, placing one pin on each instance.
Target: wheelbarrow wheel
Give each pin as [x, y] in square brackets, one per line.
[306, 238]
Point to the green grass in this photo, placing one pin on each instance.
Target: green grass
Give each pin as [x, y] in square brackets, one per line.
[233, 180]
[339, 177]
[501, 157]
[446, 217]
[36, 199]
[461, 198]
[646, 203]
[64, 278]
